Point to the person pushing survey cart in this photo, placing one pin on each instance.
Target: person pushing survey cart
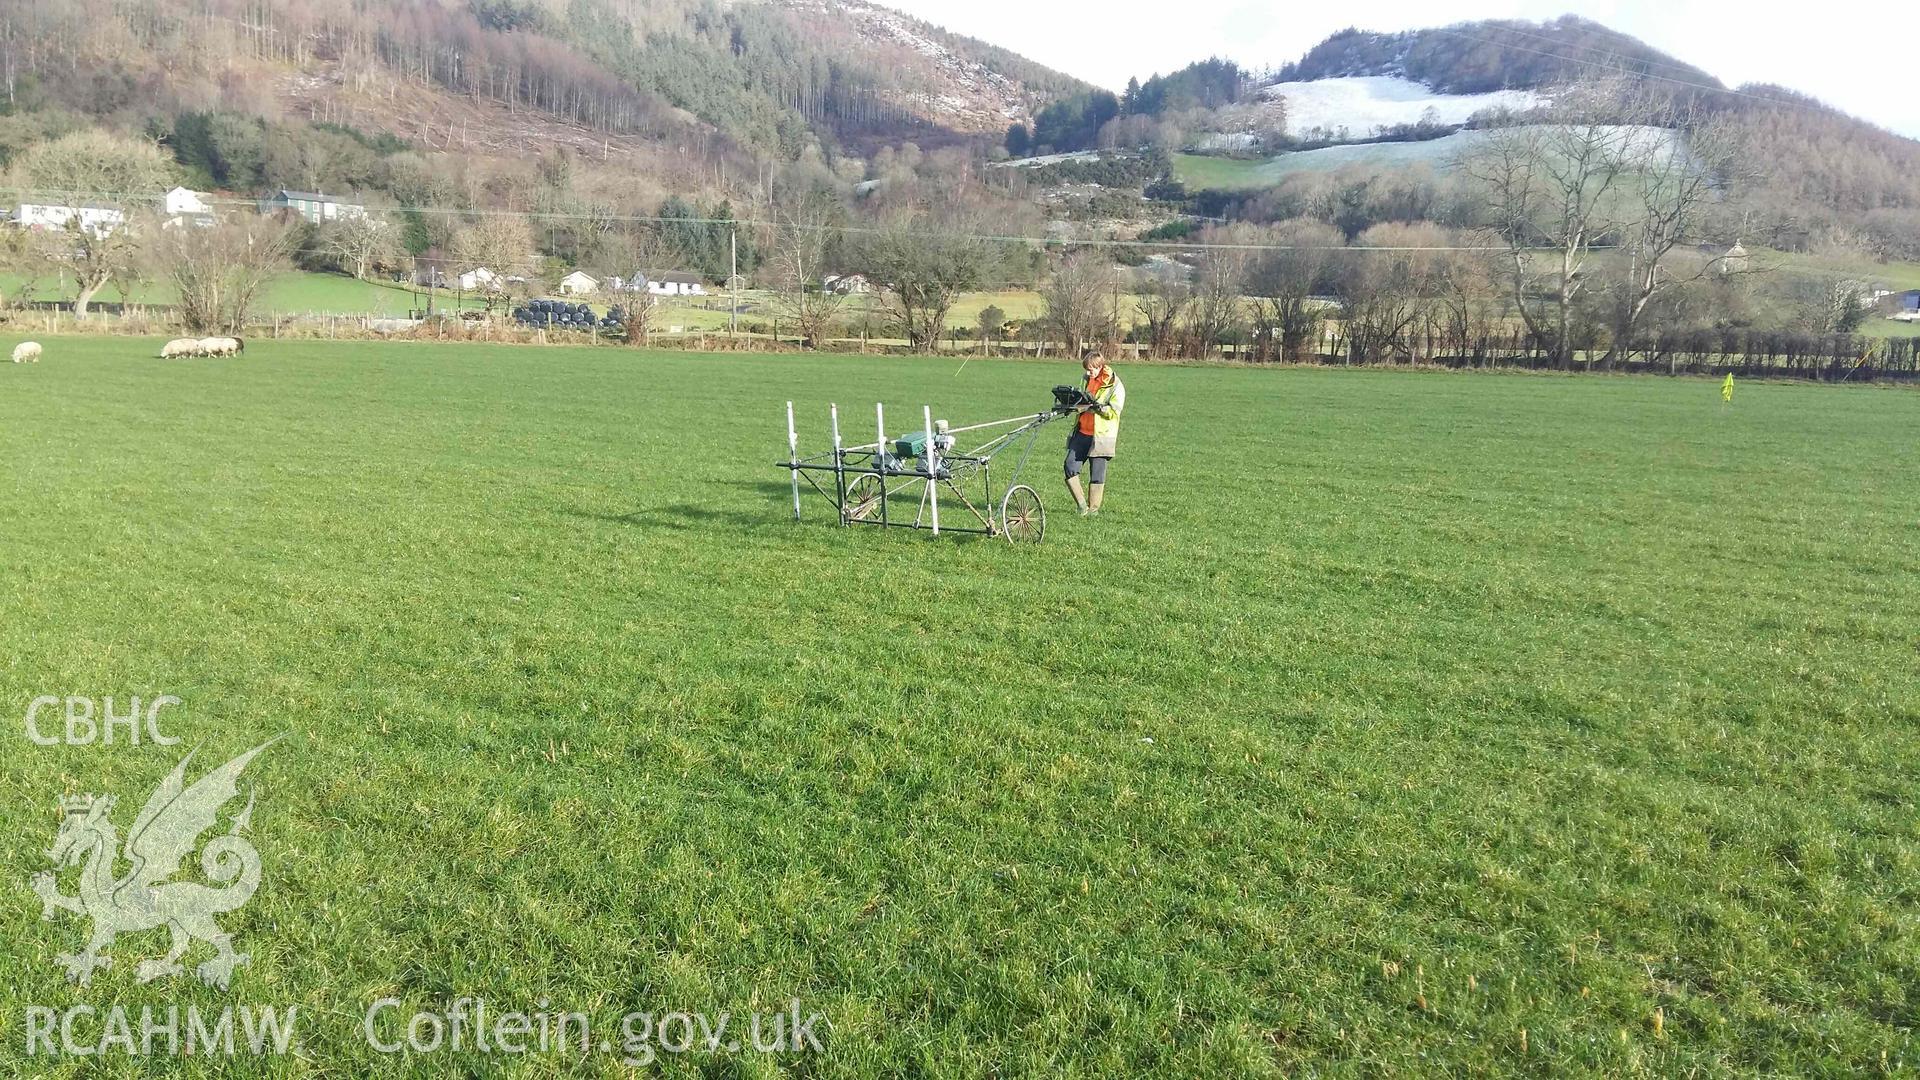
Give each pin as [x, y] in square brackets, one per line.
[1091, 442]
[898, 480]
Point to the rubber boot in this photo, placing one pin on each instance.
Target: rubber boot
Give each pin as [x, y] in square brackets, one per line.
[1095, 494]
[1079, 496]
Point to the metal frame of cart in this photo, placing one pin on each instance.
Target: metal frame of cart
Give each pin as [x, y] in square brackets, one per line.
[870, 482]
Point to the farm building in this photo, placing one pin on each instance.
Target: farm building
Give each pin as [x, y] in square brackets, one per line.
[673, 283]
[579, 283]
[477, 278]
[95, 219]
[314, 206]
[846, 284]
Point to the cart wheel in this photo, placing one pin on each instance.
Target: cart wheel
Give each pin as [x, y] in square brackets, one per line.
[864, 498]
[1022, 519]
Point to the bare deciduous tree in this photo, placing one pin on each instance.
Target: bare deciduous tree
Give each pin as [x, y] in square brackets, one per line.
[220, 269]
[1467, 287]
[798, 268]
[1218, 311]
[503, 244]
[1682, 168]
[360, 243]
[98, 255]
[98, 178]
[1282, 284]
[639, 312]
[1161, 295]
[1554, 192]
[923, 264]
[1082, 301]
[1386, 282]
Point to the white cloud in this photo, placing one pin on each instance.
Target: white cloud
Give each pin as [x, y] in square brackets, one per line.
[1832, 54]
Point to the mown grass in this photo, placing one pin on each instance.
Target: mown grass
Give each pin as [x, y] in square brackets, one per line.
[1387, 722]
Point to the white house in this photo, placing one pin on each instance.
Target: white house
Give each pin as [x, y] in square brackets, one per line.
[98, 220]
[673, 283]
[184, 206]
[579, 283]
[477, 278]
[186, 201]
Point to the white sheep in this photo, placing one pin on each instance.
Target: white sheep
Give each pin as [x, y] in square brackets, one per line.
[223, 346]
[26, 352]
[178, 347]
[212, 346]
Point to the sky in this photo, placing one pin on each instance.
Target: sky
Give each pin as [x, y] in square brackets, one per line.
[1825, 52]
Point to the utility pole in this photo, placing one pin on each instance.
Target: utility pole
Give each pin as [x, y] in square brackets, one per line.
[733, 280]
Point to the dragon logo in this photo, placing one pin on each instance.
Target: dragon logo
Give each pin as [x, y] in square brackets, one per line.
[143, 898]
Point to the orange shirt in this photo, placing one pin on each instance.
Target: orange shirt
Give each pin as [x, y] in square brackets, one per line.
[1100, 381]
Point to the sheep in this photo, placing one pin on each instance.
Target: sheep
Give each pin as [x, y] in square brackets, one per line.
[178, 347]
[213, 346]
[224, 346]
[26, 352]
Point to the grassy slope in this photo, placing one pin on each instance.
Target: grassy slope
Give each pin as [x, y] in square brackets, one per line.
[1383, 717]
[1198, 171]
[1236, 174]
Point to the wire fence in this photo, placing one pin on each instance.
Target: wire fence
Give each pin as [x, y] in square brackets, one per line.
[1836, 358]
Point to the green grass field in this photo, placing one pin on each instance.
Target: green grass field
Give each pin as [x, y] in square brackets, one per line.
[1386, 723]
[1203, 171]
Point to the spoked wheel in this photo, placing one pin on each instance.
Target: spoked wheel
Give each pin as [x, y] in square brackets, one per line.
[1022, 519]
[864, 498]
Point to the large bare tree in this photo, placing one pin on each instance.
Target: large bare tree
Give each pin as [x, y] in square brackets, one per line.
[503, 244]
[1082, 300]
[360, 243]
[1218, 310]
[219, 270]
[1684, 168]
[103, 181]
[1283, 282]
[1467, 291]
[1554, 188]
[923, 262]
[1161, 293]
[798, 266]
[1386, 283]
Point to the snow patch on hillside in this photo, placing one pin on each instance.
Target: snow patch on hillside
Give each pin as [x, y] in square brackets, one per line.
[1363, 103]
[1438, 153]
[1050, 159]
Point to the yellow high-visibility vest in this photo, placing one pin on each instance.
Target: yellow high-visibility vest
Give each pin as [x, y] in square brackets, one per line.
[1106, 419]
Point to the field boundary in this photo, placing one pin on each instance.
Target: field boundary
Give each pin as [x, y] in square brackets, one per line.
[1837, 359]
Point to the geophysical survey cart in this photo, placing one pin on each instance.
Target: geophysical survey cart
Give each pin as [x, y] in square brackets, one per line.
[880, 482]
